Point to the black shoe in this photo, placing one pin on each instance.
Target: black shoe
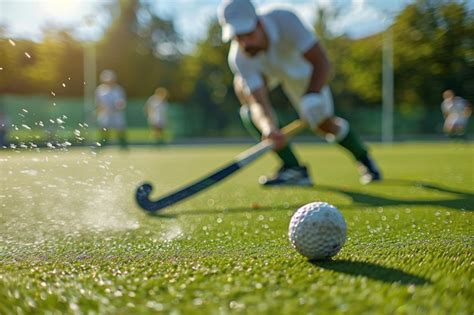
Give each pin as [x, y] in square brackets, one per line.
[369, 171]
[291, 176]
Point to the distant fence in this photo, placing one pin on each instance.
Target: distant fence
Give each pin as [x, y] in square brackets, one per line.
[42, 113]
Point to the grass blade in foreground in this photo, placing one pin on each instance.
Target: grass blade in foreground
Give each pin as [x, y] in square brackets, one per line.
[143, 192]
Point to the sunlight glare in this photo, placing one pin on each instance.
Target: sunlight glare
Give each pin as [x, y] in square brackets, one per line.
[63, 11]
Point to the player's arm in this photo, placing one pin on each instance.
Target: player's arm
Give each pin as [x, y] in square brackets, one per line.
[304, 40]
[468, 109]
[251, 90]
[317, 57]
[264, 118]
[99, 107]
[121, 101]
[262, 114]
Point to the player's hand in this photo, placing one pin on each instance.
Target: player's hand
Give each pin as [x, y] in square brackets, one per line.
[120, 104]
[278, 139]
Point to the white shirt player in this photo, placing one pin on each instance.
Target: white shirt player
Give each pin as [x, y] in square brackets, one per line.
[456, 110]
[456, 105]
[283, 63]
[156, 109]
[111, 101]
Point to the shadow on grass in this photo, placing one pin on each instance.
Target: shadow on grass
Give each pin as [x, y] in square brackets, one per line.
[464, 200]
[372, 271]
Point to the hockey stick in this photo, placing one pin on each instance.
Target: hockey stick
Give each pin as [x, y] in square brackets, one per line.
[143, 192]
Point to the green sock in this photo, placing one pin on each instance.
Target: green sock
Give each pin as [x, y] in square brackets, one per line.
[122, 139]
[104, 137]
[286, 154]
[354, 145]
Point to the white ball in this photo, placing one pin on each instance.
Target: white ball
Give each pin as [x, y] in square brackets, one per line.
[317, 230]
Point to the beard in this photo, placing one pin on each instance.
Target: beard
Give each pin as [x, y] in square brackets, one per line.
[252, 50]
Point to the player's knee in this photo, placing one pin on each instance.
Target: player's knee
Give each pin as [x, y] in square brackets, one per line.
[316, 108]
[245, 114]
[315, 113]
[336, 129]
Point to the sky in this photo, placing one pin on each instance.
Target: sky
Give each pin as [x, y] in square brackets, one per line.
[25, 18]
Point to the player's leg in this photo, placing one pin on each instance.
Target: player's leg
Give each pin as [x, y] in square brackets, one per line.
[291, 172]
[103, 121]
[104, 135]
[122, 137]
[159, 137]
[320, 117]
[449, 127]
[459, 128]
[120, 125]
[338, 130]
[3, 138]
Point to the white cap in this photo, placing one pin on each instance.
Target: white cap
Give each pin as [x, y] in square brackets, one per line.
[236, 17]
[108, 76]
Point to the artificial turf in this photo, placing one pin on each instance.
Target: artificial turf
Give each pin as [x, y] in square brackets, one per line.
[73, 241]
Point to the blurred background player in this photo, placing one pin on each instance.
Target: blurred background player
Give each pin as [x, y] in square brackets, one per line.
[110, 103]
[156, 109]
[275, 47]
[456, 111]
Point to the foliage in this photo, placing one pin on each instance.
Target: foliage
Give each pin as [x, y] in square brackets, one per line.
[207, 79]
[433, 50]
[142, 48]
[45, 67]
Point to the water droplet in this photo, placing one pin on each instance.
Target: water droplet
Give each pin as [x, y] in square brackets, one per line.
[26, 127]
[64, 84]
[53, 94]
[27, 55]
[12, 42]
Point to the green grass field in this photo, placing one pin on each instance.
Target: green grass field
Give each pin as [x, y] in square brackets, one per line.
[73, 241]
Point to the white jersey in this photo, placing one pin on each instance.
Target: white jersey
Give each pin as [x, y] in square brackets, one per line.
[110, 102]
[456, 106]
[283, 63]
[156, 109]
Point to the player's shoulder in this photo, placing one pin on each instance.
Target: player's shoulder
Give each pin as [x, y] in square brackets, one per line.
[239, 61]
[459, 99]
[102, 88]
[236, 56]
[278, 12]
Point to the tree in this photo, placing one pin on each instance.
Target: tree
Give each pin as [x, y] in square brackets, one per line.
[207, 80]
[141, 47]
[356, 64]
[434, 46]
